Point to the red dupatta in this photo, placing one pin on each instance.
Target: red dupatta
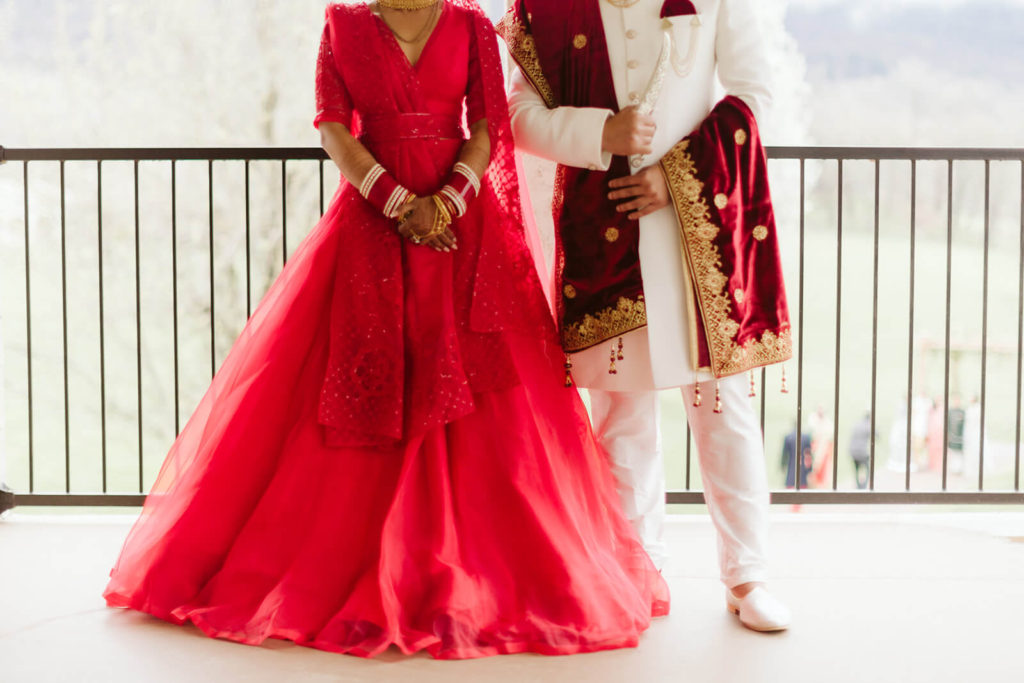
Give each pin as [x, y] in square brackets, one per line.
[365, 400]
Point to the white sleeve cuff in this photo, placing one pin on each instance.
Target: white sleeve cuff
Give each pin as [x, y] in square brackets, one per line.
[580, 131]
[567, 135]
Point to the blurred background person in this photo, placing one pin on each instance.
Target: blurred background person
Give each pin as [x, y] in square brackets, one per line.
[861, 438]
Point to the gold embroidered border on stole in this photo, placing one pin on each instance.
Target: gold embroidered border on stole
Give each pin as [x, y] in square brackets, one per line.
[627, 315]
[704, 263]
[523, 49]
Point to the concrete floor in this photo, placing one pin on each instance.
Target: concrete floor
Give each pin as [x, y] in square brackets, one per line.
[876, 597]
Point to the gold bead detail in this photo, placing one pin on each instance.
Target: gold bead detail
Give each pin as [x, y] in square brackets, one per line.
[760, 232]
[611, 234]
[580, 41]
[569, 291]
[741, 137]
[721, 200]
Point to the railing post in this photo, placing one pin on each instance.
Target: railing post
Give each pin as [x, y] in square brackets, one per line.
[6, 498]
[6, 494]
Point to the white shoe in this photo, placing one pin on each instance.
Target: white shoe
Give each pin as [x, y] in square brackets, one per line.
[759, 610]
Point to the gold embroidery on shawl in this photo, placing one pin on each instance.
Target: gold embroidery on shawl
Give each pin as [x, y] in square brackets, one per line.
[704, 265]
[523, 49]
[626, 316]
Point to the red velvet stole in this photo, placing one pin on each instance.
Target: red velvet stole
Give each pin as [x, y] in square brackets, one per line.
[718, 177]
[561, 46]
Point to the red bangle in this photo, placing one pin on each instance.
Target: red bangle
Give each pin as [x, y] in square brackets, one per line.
[383, 191]
[461, 189]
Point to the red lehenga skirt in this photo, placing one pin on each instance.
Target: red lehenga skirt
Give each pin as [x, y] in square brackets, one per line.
[498, 532]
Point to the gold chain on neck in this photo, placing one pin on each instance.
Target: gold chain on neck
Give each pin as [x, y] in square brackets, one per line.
[407, 5]
[423, 31]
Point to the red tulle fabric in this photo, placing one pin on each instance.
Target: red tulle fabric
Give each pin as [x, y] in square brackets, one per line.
[387, 457]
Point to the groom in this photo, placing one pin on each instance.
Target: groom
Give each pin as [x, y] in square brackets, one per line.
[667, 258]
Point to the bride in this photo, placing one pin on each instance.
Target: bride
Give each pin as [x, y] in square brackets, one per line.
[389, 455]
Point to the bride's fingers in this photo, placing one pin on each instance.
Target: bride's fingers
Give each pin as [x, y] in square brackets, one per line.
[446, 239]
[405, 230]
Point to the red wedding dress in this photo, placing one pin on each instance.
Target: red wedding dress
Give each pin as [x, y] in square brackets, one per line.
[388, 455]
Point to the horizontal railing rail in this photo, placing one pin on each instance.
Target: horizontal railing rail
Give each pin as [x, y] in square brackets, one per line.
[846, 153]
[868, 198]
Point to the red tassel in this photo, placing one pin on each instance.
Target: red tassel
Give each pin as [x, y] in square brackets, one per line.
[611, 366]
[718, 398]
[677, 8]
[620, 349]
[696, 396]
[785, 387]
[753, 389]
[568, 372]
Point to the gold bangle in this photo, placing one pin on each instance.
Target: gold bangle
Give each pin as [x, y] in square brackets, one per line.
[442, 218]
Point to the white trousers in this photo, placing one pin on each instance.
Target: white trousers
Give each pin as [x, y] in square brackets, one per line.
[731, 454]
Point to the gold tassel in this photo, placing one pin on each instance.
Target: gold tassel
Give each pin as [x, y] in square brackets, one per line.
[611, 365]
[696, 395]
[753, 390]
[620, 356]
[785, 387]
[568, 372]
[718, 397]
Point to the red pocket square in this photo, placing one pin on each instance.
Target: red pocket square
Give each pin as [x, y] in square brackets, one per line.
[677, 8]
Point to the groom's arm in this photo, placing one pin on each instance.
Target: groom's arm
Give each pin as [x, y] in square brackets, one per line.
[585, 137]
[743, 67]
[571, 136]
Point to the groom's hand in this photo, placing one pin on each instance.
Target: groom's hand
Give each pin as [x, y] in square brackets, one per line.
[647, 191]
[628, 132]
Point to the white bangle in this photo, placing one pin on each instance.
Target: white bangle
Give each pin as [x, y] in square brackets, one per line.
[397, 200]
[470, 175]
[457, 200]
[370, 179]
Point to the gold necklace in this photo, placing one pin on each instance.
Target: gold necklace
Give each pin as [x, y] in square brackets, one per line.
[406, 5]
[419, 36]
[622, 3]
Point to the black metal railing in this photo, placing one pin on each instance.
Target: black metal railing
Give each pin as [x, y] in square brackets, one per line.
[287, 173]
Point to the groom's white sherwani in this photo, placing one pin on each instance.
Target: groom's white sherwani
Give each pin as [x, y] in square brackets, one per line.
[729, 43]
[725, 49]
